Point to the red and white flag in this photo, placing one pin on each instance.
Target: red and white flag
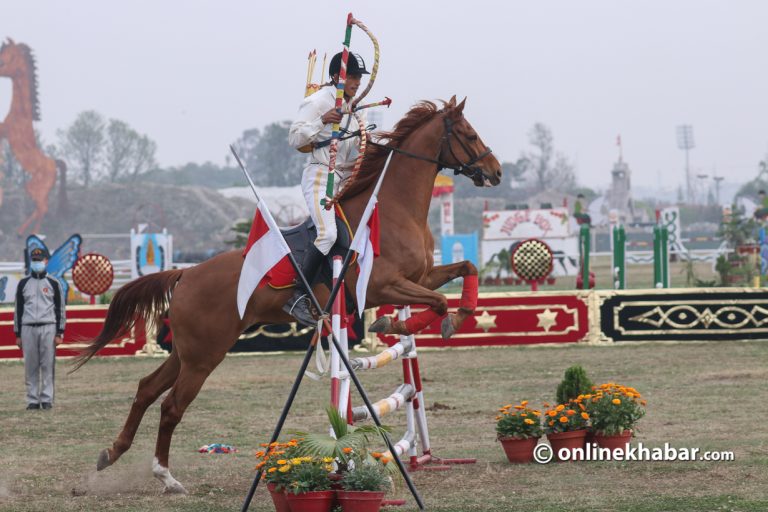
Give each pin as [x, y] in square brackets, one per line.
[366, 242]
[266, 247]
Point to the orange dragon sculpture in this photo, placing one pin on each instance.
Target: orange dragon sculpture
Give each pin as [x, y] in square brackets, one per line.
[18, 64]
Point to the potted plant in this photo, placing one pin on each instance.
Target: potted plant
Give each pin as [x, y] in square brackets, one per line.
[364, 484]
[309, 489]
[566, 426]
[272, 458]
[614, 411]
[518, 429]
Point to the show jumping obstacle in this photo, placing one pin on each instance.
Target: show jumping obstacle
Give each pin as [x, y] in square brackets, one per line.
[408, 395]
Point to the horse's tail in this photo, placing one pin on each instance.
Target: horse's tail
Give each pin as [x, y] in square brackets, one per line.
[146, 297]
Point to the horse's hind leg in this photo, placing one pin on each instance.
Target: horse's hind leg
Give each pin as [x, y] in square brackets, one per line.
[191, 379]
[150, 388]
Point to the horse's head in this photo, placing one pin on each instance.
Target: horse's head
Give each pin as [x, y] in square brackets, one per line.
[11, 58]
[464, 151]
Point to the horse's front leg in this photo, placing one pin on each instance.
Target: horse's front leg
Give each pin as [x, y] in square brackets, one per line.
[406, 293]
[443, 274]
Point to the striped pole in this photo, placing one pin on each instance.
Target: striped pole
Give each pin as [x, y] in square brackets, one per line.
[339, 103]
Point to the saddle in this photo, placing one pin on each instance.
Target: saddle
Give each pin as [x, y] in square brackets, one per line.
[299, 239]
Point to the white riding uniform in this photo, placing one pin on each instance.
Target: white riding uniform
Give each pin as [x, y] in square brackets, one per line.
[309, 128]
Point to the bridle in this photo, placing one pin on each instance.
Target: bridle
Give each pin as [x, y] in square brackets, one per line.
[466, 168]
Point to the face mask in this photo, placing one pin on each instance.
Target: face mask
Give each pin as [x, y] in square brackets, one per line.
[37, 266]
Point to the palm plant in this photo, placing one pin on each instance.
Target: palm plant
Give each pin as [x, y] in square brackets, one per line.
[345, 442]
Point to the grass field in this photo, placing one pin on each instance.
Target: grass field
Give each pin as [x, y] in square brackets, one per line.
[712, 396]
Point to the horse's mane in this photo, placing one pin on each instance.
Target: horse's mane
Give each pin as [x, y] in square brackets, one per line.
[373, 162]
[26, 52]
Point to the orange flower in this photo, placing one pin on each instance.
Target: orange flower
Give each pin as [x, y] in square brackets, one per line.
[570, 412]
[384, 460]
[376, 455]
[524, 402]
[519, 407]
[585, 415]
[552, 413]
[551, 422]
[347, 450]
[581, 406]
[643, 402]
[529, 421]
[536, 413]
[260, 453]
[563, 419]
[616, 401]
[559, 407]
[260, 465]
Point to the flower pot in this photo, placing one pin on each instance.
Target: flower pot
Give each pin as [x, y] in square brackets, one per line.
[618, 441]
[314, 501]
[278, 498]
[570, 440]
[519, 451]
[359, 501]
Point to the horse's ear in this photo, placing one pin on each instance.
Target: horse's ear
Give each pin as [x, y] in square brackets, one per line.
[11, 41]
[451, 102]
[460, 106]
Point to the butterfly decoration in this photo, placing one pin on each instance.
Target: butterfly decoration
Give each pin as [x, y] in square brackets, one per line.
[62, 259]
[3, 285]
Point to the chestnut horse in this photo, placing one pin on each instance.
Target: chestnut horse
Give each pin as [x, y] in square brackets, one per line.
[202, 299]
[17, 63]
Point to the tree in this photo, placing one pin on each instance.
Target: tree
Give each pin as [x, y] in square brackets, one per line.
[83, 144]
[143, 156]
[551, 170]
[121, 141]
[269, 157]
[127, 153]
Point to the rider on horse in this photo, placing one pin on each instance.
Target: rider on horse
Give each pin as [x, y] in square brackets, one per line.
[311, 131]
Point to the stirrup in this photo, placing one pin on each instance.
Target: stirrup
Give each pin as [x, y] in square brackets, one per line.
[300, 309]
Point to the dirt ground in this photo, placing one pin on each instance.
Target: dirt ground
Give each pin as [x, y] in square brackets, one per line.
[707, 395]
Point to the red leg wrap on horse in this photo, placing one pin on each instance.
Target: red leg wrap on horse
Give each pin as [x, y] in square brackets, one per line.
[469, 293]
[421, 320]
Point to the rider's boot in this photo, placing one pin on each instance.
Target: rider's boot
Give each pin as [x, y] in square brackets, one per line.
[299, 306]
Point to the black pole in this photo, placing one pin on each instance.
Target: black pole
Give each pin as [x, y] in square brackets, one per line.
[284, 414]
[358, 385]
[352, 374]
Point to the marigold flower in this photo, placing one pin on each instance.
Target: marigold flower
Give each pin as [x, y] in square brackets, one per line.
[498, 418]
[563, 419]
[264, 444]
[329, 467]
[347, 450]
[385, 460]
[296, 462]
[552, 413]
[519, 407]
[581, 406]
[524, 403]
[284, 469]
[545, 404]
[260, 453]
[585, 415]
[327, 460]
[551, 422]
[643, 402]
[616, 401]
[524, 415]
[537, 413]
[274, 444]
[271, 470]
[376, 455]
[529, 421]
[282, 462]
[559, 407]
[260, 465]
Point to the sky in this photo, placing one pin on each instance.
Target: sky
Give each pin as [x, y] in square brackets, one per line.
[193, 75]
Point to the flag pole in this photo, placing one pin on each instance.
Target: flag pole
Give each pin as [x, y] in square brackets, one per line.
[342, 356]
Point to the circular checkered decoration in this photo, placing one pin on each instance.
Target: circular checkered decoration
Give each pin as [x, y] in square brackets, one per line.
[93, 274]
[532, 260]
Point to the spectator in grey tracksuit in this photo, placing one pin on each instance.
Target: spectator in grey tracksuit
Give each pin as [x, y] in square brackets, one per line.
[38, 323]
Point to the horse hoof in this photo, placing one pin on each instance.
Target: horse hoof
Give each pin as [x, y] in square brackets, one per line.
[383, 324]
[446, 328]
[175, 488]
[103, 461]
